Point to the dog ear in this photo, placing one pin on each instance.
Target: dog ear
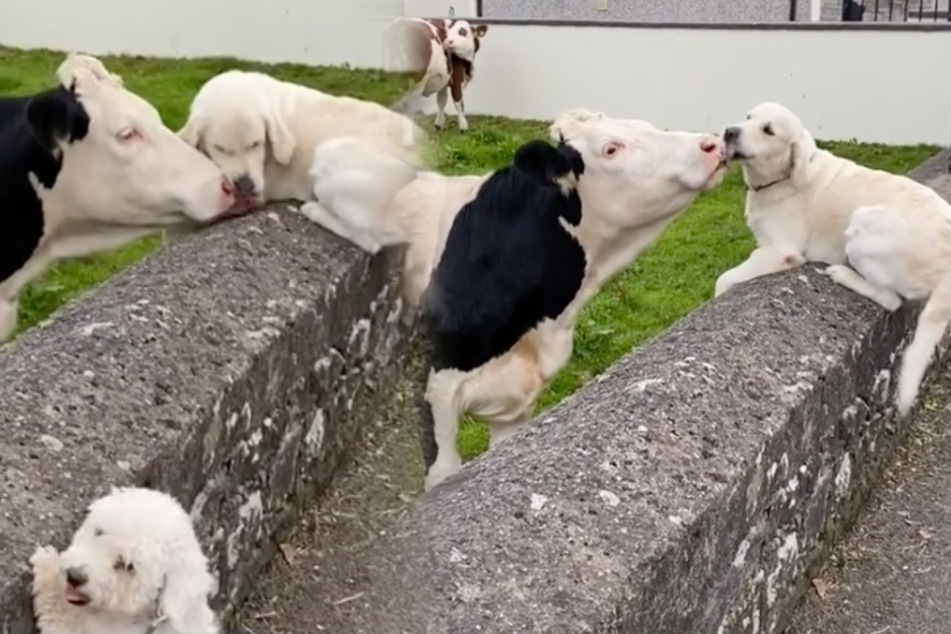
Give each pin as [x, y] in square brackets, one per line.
[282, 141]
[480, 30]
[184, 598]
[801, 152]
[191, 132]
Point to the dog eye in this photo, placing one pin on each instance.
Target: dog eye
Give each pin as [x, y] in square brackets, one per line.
[611, 149]
[122, 565]
[254, 145]
[462, 32]
[768, 129]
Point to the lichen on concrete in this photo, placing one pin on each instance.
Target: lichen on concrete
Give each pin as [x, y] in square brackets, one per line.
[234, 368]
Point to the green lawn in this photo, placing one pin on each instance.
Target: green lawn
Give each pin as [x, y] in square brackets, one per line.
[672, 278]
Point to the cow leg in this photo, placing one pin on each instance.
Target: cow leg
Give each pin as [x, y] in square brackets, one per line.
[442, 97]
[11, 287]
[460, 106]
[504, 393]
[444, 412]
[8, 318]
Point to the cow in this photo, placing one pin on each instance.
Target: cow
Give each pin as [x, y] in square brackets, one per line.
[499, 265]
[440, 53]
[87, 166]
[529, 250]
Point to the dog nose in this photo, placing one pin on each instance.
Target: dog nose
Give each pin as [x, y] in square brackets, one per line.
[245, 186]
[731, 134]
[76, 577]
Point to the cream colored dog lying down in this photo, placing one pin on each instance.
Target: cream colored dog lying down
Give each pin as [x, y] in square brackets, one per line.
[263, 131]
[885, 236]
[376, 200]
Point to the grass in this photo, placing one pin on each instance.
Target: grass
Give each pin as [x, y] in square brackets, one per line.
[669, 280]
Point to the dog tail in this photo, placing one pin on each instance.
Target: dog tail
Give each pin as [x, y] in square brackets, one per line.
[932, 324]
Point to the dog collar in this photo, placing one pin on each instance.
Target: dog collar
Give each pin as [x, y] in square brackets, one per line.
[777, 181]
[767, 185]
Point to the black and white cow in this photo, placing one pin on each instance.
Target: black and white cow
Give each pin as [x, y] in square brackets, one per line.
[87, 166]
[500, 264]
[533, 246]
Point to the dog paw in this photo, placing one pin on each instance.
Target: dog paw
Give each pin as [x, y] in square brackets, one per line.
[889, 302]
[837, 272]
[44, 553]
[45, 559]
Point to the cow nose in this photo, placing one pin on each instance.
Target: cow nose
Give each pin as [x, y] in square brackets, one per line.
[731, 134]
[76, 577]
[245, 186]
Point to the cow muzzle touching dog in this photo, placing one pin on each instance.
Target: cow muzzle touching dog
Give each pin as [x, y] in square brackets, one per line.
[523, 257]
[88, 166]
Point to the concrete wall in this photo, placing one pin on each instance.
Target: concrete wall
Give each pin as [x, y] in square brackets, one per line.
[693, 488]
[319, 32]
[647, 10]
[233, 369]
[870, 84]
[742, 11]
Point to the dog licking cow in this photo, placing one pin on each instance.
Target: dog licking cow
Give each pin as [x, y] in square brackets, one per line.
[87, 166]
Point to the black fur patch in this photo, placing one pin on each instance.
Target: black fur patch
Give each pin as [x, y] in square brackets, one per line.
[30, 129]
[508, 261]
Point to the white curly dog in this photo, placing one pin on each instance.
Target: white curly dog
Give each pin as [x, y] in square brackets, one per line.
[134, 567]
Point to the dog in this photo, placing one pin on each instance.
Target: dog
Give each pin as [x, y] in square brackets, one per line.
[87, 166]
[882, 235]
[263, 133]
[134, 566]
[355, 182]
[375, 199]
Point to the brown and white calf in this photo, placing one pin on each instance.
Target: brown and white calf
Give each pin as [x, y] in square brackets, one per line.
[440, 53]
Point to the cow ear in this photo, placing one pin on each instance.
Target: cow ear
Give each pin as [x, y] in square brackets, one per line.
[548, 164]
[55, 118]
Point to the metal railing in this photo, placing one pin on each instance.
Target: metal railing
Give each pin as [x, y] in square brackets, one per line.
[896, 10]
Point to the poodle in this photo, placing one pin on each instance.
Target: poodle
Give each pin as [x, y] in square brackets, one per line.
[134, 567]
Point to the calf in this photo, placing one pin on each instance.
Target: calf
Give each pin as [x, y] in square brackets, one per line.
[88, 166]
[440, 53]
[529, 246]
